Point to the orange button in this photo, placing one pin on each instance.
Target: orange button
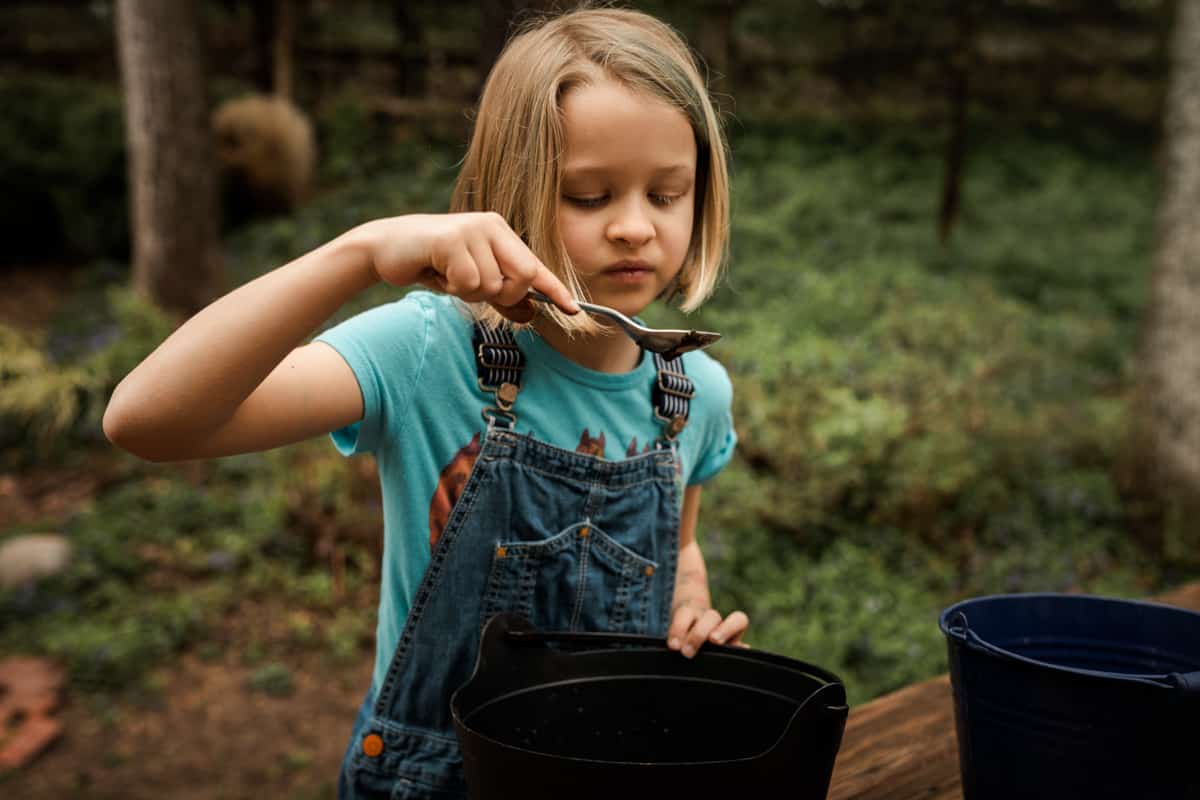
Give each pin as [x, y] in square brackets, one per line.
[649, 571]
[583, 532]
[501, 552]
[372, 745]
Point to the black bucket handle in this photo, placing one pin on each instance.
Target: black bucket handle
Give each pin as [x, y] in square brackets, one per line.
[1185, 683]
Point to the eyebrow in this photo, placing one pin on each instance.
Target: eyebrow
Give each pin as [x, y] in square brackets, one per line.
[661, 172]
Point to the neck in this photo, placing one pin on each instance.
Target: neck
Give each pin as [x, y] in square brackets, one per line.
[607, 351]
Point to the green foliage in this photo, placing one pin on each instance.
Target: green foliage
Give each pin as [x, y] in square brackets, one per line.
[922, 422]
[918, 422]
[353, 145]
[47, 406]
[274, 679]
[110, 647]
[39, 401]
[138, 586]
[62, 166]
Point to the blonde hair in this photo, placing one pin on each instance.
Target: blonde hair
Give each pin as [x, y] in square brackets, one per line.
[513, 164]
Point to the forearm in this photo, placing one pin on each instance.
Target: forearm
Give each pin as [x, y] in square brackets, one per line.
[691, 580]
[196, 379]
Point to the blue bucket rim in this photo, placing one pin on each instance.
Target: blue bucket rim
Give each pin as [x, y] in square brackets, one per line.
[1188, 682]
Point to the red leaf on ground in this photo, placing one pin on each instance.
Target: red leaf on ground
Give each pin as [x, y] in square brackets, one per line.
[29, 694]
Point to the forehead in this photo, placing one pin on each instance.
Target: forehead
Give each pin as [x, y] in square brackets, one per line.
[611, 128]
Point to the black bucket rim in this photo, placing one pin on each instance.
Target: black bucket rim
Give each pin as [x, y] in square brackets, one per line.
[964, 636]
[829, 691]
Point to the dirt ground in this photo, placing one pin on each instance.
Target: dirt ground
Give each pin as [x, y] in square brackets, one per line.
[203, 733]
[200, 731]
[207, 736]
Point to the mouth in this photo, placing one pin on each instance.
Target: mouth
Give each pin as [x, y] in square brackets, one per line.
[628, 269]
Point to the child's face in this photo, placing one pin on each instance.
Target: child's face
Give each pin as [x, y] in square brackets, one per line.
[626, 210]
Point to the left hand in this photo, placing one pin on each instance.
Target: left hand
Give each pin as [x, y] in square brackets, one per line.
[691, 627]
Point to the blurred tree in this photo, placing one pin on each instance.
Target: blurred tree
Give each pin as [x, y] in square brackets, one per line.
[410, 40]
[172, 176]
[274, 36]
[719, 48]
[957, 59]
[496, 22]
[1171, 355]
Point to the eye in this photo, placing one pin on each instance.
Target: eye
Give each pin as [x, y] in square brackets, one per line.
[586, 202]
[663, 199]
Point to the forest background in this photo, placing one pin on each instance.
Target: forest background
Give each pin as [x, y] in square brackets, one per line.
[953, 260]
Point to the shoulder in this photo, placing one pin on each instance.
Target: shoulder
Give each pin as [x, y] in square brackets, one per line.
[713, 386]
[416, 313]
[710, 441]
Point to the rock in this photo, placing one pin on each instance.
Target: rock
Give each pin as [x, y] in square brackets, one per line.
[24, 559]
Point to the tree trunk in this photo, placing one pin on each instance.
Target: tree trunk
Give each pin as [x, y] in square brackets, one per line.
[716, 44]
[1170, 390]
[274, 31]
[281, 48]
[172, 180]
[410, 39]
[957, 71]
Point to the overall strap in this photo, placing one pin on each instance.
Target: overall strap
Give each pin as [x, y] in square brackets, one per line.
[498, 366]
[672, 395]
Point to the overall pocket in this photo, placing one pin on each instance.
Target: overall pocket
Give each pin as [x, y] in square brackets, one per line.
[579, 579]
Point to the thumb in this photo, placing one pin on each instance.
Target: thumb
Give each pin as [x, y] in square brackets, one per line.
[521, 313]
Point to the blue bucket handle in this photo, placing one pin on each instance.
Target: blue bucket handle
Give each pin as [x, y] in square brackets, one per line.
[1186, 683]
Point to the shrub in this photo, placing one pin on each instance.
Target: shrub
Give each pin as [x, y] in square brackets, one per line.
[62, 166]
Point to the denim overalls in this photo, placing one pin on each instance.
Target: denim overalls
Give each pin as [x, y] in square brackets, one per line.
[571, 541]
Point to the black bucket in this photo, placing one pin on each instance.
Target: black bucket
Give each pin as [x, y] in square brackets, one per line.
[595, 716]
[1072, 696]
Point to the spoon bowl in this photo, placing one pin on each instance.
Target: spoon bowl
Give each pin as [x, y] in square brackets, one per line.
[670, 343]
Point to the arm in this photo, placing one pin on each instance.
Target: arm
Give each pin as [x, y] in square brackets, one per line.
[232, 379]
[693, 620]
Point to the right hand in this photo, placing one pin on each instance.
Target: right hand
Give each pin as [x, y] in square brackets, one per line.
[475, 256]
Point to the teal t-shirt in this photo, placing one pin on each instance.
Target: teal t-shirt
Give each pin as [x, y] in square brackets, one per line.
[421, 419]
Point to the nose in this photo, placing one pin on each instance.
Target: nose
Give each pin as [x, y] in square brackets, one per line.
[631, 224]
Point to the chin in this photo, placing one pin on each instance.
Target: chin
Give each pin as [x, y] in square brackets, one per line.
[630, 303]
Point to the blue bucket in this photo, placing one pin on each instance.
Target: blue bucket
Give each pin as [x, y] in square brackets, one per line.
[1074, 696]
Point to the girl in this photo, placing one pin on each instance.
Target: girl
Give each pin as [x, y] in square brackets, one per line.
[531, 467]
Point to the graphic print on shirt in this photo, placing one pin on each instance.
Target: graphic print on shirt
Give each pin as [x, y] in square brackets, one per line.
[593, 447]
[455, 474]
[449, 487]
[632, 450]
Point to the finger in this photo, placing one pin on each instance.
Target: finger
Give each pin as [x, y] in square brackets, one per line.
[490, 279]
[518, 267]
[681, 623]
[517, 261]
[462, 276]
[432, 279]
[516, 253]
[731, 629]
[696, 637]
[552, 287]
[512, 293]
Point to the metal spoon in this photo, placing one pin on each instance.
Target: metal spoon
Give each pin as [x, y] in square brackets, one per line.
[667, 342]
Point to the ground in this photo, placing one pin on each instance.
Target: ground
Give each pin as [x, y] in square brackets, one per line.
[205, 734]
[201, 732]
